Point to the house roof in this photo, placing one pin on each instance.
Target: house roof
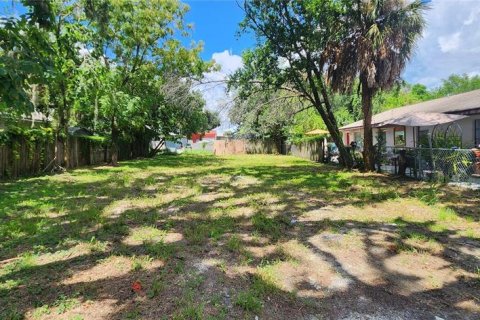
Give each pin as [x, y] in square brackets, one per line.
[78, 131]
[452, 104]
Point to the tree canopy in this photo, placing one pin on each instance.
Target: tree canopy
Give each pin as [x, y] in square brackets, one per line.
[116, 67]
[321, 50]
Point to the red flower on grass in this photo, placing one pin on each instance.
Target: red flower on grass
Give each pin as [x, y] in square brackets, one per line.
[137, 286]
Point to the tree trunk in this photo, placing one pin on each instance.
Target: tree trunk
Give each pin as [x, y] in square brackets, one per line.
[63, 138]
[95, 114]
[278, 140]
[114, 144]
[328, 117]
[345, 158]
[368, 150]
[63, 126]
[154, 151]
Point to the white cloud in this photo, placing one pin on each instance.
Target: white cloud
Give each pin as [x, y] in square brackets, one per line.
[214, 87]
[228, 62]
[474, 15]
[450, 43]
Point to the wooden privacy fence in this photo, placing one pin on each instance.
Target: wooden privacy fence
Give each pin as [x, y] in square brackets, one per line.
[224, 147]
[312, 150]
[22, 158]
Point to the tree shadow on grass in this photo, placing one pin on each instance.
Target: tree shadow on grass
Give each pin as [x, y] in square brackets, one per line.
[276, 194]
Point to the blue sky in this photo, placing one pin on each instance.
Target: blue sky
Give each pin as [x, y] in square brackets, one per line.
[216, 23]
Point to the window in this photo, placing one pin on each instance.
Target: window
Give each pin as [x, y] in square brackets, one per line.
[423, 139]
[399, 136]
[382, 138]
[358, 138]
[477, 133]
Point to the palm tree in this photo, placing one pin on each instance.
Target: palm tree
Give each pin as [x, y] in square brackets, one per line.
[380, 38]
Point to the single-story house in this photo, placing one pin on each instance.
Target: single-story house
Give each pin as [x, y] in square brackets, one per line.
[413, 125]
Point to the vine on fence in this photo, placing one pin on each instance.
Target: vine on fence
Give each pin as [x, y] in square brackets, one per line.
[13, 136]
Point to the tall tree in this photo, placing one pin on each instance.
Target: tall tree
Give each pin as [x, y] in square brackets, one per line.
[292, 35]
[139, 40]
[456, 84]
[24, 60]
[67, 33]
[381, 38]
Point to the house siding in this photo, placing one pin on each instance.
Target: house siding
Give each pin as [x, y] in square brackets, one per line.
[468, 131]
[467, 125]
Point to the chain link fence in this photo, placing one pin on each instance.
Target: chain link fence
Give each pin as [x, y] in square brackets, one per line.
[455, 165]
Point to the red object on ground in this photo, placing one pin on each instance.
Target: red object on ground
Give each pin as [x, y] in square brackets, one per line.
[137, 286]
[207, 135]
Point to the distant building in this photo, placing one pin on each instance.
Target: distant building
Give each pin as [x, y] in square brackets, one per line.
[32, 120]
[207, 136]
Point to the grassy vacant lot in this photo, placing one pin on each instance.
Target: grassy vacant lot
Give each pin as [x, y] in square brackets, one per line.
[201, 237]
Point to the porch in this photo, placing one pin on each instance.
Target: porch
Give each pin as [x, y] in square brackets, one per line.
[438, 164]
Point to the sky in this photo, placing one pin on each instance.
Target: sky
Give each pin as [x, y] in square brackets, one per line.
[450, 44]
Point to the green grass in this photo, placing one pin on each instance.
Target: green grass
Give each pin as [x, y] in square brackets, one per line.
[266, 225]
[234, 243]
[249, 301]
[85, 235]
[447, 214]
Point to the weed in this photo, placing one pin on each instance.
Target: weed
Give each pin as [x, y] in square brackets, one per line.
[41, 311]
[264, 282]
[438, 228]
[156, 287]
[222, 266]
[194, 281]
[63, 304]
[160, 249]
[179, 267]
[24, 263]
[191, 311]
[447, 214]
[96, 246]
[248, 301]
[417, 236]
[234, 244]
[470, 233]
[218, 227]
[266, 225]
[428, 195]
[138, 263]
[133, 314]
[197, 234]
[11, 314]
